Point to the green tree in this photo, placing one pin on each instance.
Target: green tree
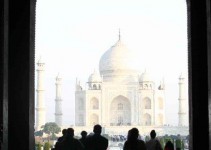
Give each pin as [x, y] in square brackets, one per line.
[47, 146]
[162, 142]
[180, 144]
[51, 128]
[38, 133]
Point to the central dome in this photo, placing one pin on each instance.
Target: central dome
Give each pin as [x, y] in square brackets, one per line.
[118, 60]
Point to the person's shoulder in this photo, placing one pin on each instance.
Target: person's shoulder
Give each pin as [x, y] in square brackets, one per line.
[89, 137]
[126, 142]
[105, 139]
[151, 141]
[60, 139]
[76, 140]
[125, 145]
[141, 141]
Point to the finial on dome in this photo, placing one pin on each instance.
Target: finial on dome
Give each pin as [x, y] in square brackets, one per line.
[119, 35]
[40, 59]
[58, 76]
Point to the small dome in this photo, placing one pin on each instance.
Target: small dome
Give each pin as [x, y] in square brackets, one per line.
[95, 77]
[145, 77]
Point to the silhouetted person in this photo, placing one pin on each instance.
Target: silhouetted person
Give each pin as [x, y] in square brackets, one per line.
[59, 143]
[70, 143]
[169, 146]
[133, 143]
[64, 132]
[83, 137]
[153, 143]
[96, 141]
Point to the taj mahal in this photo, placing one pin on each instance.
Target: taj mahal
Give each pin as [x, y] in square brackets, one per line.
[117, 94]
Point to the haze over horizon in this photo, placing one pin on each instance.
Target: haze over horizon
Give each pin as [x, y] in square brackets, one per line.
[71, 36]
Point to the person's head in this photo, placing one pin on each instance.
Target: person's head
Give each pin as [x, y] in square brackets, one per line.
[153, 134]
[128, 134]
[97, 129]
[169, 145]
[64, 131]
[83, 133]
[70, 132]
[133, 134]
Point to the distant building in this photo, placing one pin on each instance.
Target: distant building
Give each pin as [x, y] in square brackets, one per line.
[116, 95]
[120, 95]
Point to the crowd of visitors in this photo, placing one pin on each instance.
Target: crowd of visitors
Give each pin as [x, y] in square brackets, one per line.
[96, 141]
[91, 142]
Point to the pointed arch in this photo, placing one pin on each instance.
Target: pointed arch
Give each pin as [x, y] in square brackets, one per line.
[147, 103]
[120, 111]
[94, 119]
[94, 103]
[147, 119]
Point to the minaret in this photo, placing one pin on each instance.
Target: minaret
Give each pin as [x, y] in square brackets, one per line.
[182, 102]
[58, 101]
[119, 35]
[40, 107]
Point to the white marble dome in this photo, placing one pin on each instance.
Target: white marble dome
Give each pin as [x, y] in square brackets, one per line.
[117, 60]
[95, 77]
[145, 77]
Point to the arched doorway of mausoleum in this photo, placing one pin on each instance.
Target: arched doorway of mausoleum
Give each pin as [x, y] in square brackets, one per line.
[120, 111]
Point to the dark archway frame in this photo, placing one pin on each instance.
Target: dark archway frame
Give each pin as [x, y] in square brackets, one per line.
[17, 38]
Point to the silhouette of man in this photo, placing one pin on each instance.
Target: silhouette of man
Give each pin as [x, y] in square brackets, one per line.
[64, 132]
[70, 143]
[59, 143]
[96, 141]
[153, 143]
[133, 143]
[83, 137]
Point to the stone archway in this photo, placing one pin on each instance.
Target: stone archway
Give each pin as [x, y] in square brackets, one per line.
[120, 111]
[147, 103]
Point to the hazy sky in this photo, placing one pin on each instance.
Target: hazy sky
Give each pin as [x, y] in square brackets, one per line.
[71, 36]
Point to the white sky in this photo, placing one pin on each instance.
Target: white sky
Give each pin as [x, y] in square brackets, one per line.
[71, 36]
